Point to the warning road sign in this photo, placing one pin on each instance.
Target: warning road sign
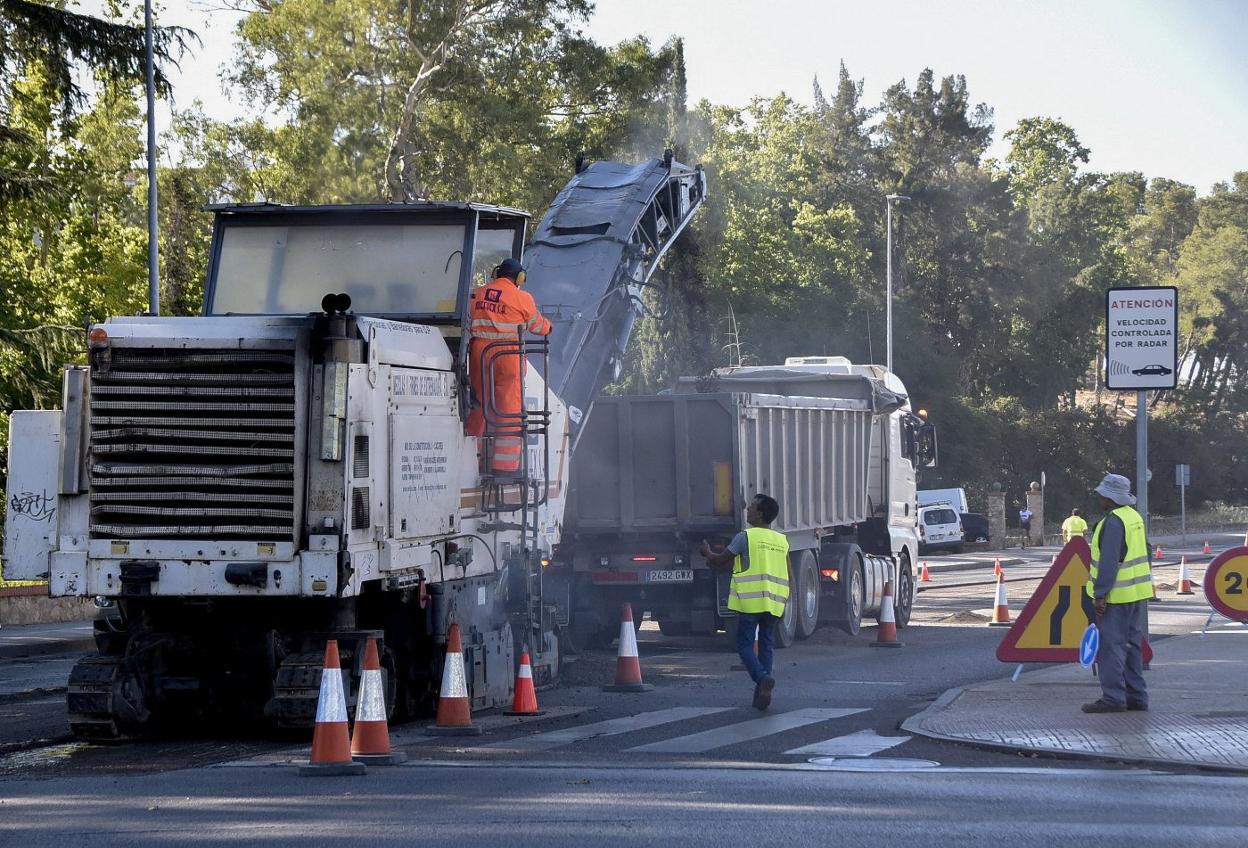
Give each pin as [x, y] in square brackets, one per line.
[1226, 583]
[1052, 625]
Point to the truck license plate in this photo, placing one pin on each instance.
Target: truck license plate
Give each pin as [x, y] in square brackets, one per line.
[670, 575]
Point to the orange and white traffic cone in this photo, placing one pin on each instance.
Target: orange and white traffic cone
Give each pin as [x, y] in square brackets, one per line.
[627, 663]
[886, 636]
[1185, 579]
[1206, 549]
[331, 744]
[997, 571]
[925, 576]
[1246, 538]
[1001, 609]
[370, 740]
[1157, 554]
[454, 710]
[525, 701]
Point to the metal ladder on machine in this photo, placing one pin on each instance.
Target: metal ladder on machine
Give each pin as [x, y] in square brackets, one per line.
[524, 491]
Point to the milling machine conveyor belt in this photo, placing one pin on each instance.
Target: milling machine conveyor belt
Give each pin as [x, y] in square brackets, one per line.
[590, 259]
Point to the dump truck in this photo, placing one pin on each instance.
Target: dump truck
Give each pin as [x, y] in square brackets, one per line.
[292, 466]
[835, 443]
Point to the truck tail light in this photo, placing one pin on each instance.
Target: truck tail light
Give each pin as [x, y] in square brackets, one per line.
[833, 574]
[645, 558]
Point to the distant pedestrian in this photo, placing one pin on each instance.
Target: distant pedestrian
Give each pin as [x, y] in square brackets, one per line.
[1073, 526]
[1120, 584]
[760, 588]
[1024, 521]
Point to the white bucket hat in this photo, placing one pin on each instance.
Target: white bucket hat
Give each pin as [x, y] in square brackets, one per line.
[1117, 488]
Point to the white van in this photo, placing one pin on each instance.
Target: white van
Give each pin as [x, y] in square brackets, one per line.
[952, 497]
[940, 528]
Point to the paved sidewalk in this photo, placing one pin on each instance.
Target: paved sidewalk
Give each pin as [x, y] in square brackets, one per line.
[1198, 690]
[32, 640]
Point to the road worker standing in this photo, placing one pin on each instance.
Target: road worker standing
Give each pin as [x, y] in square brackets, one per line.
[1073, 526]
[499, 312]
[1120, 586]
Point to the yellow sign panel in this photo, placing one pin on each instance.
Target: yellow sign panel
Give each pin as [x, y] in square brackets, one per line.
[1051, 625]
[1226, 583]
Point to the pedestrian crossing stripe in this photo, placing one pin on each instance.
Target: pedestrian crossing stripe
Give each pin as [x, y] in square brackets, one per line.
[864, 743]
[610, 727]
[1052, 623]
[744, 731]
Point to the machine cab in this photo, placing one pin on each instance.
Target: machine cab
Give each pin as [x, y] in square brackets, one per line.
[411, 262]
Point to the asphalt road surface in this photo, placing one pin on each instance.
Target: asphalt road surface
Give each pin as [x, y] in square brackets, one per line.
[690, 759]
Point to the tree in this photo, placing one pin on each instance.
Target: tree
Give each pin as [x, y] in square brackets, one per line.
[60, 42]
[506, 94]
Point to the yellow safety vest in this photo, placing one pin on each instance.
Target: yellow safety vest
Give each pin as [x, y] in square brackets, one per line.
[1134, 581]
[1074, 526]
[764, 586]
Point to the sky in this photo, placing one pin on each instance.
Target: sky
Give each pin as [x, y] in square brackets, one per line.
[1158, 86]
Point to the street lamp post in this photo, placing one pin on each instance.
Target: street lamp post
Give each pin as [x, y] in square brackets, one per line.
[888, 309]
[153, 236]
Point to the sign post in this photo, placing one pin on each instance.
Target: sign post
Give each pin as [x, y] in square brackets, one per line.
[1183, 479]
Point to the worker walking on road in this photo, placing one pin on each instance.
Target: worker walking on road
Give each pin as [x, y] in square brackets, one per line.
[1073, 526]
[499, 312]
[759, 590]
[1120, 584]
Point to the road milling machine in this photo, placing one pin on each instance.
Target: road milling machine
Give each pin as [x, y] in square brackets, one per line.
[292, 465]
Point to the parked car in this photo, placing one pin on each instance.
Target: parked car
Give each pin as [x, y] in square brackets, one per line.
[939, 529]
[974, 528]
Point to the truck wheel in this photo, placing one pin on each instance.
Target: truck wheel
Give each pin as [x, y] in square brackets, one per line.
[786, 629]
[903, 602]
[806, 594]
[855, 597]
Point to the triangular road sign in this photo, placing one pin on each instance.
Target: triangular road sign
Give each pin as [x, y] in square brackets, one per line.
[1052, 622]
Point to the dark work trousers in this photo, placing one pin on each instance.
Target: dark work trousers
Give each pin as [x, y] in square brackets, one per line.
[1120, 662]
[760, 666]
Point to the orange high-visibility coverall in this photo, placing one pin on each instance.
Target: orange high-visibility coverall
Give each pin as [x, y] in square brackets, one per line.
[498, 312]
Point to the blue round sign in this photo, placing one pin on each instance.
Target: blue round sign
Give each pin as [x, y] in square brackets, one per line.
[1088, 646]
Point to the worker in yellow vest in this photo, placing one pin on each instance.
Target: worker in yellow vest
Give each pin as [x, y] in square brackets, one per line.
[760, 589]
[1120, 584]
[1073, 526]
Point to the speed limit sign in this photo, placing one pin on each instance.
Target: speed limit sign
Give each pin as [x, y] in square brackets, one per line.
[1226, 584]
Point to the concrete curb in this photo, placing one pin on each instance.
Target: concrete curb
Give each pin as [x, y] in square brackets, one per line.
[940, 568]
[914, 724]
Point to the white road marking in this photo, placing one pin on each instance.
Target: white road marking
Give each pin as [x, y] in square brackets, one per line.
[744, 731]
[864, 743]
[611, 727]
[868, 682]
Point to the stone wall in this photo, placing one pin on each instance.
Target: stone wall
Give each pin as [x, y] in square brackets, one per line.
[31, 605]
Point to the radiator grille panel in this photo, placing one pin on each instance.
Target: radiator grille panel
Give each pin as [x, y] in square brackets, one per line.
[359, 509]
[193, 444]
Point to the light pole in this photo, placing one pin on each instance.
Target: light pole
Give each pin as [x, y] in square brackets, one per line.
[153, 243]
[888, 309]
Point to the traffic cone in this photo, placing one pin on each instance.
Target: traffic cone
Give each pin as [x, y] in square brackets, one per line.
[370, 740]
[627, 663]
[1185, 579]
[1001, 609]
[454, 711]
[1157, 554]
[1206, 549]
[925, 576]
[525, 701]
[331, 744]
[887, 635]
[997, 571]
